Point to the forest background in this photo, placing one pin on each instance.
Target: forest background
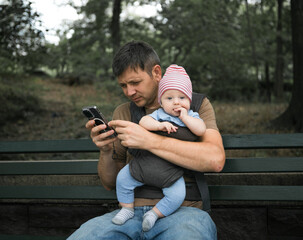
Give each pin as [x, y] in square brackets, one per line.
[246, 56]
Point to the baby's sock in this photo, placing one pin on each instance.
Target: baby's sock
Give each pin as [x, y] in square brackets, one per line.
[123, 215]
[149, 220]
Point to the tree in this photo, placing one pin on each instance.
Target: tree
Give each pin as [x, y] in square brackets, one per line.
[87, 54]
[115, 25]
[227, 47]
[278, 84]
[252, 40]
[293, 116]
[208, 39]
[20, 40]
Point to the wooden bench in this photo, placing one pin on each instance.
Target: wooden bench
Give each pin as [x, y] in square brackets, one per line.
[256, 183]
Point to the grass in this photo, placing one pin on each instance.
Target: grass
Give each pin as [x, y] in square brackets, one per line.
[248, 118]
[60, 116]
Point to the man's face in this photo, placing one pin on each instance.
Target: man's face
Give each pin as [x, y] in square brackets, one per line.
[140, 87]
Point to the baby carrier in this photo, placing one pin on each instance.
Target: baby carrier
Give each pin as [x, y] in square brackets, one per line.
[152, 189]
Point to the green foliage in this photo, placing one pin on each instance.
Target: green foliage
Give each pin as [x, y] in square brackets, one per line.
[18, 100]
[211, 39]
[20, 42]
[223, 54]
[87, 54]
[225, 46]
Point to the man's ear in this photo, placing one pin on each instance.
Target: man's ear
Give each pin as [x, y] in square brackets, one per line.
[157, 72]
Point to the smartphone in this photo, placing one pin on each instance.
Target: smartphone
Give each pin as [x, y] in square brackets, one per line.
[92, 113]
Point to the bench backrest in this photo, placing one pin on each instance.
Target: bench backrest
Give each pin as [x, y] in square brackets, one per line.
[218, 192]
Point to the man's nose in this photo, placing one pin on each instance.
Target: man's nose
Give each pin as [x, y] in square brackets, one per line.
[130, 91]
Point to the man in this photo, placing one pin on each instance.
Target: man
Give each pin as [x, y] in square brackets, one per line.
[137, 68]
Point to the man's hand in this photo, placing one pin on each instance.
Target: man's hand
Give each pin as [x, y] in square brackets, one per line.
[132, 135]
[101, 140]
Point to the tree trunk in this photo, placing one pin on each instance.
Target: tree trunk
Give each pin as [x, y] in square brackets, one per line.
[267, 82]
[115, 25]
[293, 116]
[267, 90]
[252, 42]
[278, 85]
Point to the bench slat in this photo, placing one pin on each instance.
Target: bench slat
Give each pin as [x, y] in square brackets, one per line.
[270, 164]
[30, 237]
[48, 146]
[263, 141]
[241, 141]
[48, 167]
[256, 193]
[232, 165]
[243, 192]
[56, 192]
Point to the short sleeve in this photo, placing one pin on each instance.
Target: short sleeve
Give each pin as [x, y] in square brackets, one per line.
[207, 113]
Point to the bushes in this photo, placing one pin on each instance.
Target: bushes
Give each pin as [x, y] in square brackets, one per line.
[17, 100]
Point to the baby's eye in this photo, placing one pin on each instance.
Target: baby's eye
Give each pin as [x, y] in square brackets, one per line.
[169, 98]
[182, 98]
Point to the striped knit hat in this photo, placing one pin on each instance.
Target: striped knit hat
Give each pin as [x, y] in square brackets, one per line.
[175, 78]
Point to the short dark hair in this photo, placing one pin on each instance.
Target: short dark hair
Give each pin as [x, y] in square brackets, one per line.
[135, 54]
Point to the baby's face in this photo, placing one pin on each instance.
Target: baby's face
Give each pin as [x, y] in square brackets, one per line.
[172, 100]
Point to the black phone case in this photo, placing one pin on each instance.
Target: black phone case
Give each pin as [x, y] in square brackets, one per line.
[92, 113]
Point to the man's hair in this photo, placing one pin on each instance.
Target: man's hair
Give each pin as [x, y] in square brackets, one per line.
[135, 54]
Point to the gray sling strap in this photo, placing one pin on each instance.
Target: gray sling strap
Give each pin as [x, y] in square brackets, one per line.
[204, 192]
[138, 112]
[199, 176]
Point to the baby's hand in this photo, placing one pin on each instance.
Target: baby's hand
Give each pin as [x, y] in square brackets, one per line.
[167, 127]
[183, 112]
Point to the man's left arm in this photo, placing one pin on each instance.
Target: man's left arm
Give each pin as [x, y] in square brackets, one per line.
[206, 156]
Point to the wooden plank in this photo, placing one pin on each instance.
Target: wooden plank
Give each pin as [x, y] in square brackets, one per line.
[263, 141]
[256, 193]
[245, 193]
[271, 164]
[29, 237]
[48, 167]
[251, 141]
[232, 165]
[48, 146]
[56, 192]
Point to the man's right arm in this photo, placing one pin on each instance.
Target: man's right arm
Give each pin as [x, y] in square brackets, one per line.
[108, 170]
[107, 167]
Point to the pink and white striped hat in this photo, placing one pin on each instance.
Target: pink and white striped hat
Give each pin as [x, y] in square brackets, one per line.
[175, 78]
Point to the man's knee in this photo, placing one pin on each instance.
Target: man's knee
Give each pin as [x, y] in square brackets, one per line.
[195, 219]
[189, 223]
